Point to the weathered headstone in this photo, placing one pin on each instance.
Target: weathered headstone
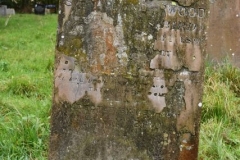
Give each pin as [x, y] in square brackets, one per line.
[10, 11]
[128, 79]
[223, 32]
[3, 10]
[39, 9]
[51, 8]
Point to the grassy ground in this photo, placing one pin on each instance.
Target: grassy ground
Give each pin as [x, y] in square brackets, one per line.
[26, 60]
[220, 138]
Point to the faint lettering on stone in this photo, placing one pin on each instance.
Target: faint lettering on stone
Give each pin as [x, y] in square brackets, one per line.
[172, 10]
[72, 85]
[157, 92]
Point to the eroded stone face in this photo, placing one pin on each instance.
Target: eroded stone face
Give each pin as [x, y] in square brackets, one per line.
[156, 93]
[72, 84]
[128, 78]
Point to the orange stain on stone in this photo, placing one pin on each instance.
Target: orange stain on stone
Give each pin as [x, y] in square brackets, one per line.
[103, 51]
[110, 59]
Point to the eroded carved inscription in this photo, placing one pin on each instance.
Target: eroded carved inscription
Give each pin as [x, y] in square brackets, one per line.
[180, 37]
[157, 91]
[72, 85]
[128, 79]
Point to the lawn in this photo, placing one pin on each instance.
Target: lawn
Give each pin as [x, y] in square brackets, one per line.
[26, 66]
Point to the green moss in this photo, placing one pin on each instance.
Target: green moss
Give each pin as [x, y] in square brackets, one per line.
[73, 48]
[134, 2]
[168, 74]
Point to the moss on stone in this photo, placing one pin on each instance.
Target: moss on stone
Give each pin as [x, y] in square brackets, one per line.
[134, 2]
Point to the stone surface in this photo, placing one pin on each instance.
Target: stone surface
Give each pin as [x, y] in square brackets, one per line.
[3, 10]
[223, 31]
[128, 79]
[10, 11]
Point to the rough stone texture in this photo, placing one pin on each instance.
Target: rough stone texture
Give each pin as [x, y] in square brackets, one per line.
[128, 79]
[223, 31]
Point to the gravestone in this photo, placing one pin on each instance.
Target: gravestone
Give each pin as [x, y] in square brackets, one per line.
[223, 32]
[128, 79]
[10, 11]
[39, 9]
[3, 10]
[51, 7]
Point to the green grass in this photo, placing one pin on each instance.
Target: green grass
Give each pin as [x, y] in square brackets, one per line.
[26, 64]
[219, 135]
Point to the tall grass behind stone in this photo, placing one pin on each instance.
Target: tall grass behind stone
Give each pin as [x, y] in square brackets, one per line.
[219, 134]
[231, 75]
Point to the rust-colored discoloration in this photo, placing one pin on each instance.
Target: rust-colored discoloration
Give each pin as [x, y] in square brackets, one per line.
[101, 32]
[188, 147]
[102, 51]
